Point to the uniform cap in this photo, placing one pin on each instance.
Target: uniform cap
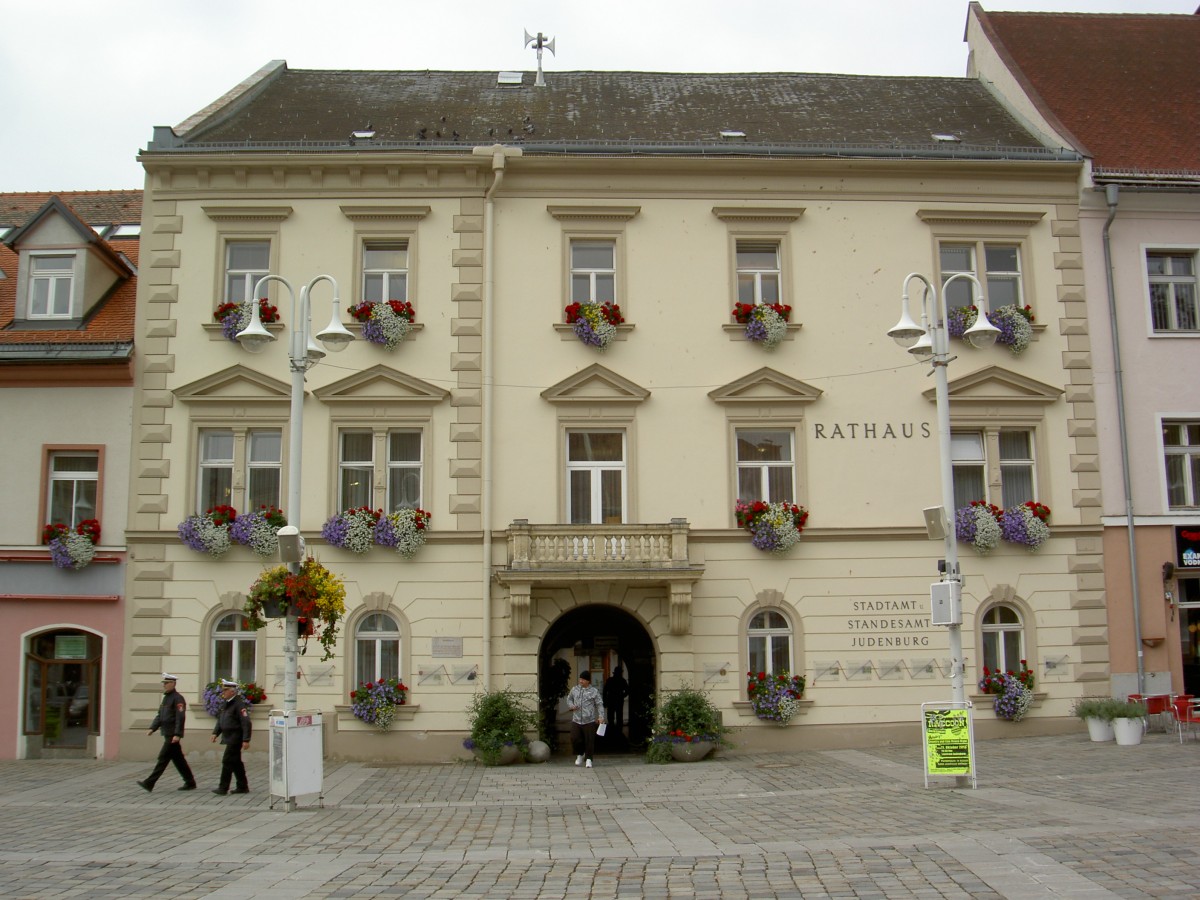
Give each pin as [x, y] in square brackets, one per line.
[167, 676]
[225, 682]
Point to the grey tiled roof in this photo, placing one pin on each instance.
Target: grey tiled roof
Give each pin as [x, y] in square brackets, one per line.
[586, 111]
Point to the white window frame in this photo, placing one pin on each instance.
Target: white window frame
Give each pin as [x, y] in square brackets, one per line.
[235, 638]
[1190, 453]
[416, 466]
[978, 268]
[387, 275]
[51, 279]
[993, 639]
[380, 464]
[239, 466]
[345, 465]
[76, 478]
[992, 463]
[254, 466]
[1172, 281]
[764, 634]
[764, 468]
[376, 639]
[757, 274]
[593, 273]
[248, 277]
[597, 468]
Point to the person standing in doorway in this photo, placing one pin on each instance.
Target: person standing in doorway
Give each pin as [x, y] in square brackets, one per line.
[587, 712]
[233, 726]
[615, 691]
[172, 715]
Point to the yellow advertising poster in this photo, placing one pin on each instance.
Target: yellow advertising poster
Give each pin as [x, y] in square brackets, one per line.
[947, 742]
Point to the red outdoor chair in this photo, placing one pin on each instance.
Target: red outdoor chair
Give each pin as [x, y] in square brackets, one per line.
[1185, 716]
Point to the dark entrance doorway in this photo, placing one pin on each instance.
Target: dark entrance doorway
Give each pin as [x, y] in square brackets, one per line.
[62, 693]
[598, 637]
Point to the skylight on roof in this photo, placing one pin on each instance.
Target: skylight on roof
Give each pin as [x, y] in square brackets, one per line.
[946, 137]
[127, 231]
[5, 231]
[509, 78]
[732, 134]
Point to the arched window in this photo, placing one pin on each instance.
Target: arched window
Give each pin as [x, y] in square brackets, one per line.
[234, 649]
[769, 643]
[1003, 636]
[377, 648]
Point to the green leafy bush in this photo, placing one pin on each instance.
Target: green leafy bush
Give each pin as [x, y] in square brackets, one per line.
[499, 719]
[686, 716]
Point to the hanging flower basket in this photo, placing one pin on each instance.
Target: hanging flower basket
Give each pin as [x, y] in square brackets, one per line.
[978, 524]
[1013, 691]
[404, 531]
[775, 697]
[259, 530]
[766, 323]
[1014, 322]
[773, 526]
[386, 324]
[595, 324]
[353, 529]
[72, 548]
[209, 533]
[236, 316]
[1026, 524]
[315, 594]
[375, 702]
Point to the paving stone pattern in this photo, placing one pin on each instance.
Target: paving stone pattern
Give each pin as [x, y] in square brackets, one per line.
[1052, 817]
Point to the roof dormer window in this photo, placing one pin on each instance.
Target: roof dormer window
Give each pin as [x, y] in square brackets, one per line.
[51, 283]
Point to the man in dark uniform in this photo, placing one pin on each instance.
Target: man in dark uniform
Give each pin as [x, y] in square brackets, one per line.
[170, 720]
[233, 725]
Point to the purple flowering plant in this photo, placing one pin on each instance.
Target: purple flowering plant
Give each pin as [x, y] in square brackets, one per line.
[774, 527]
[375, 702]
[208, 533]
[353, 529]
[1015, 324]
[259, 530]
[775, 697]
[404, 530]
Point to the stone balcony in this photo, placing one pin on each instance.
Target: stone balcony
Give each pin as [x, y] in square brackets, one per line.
[557, 555]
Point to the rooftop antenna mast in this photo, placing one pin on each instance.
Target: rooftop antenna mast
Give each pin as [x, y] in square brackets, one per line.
[539, 43]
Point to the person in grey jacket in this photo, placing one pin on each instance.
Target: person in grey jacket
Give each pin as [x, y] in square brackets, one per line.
[170, 720]
[233, 726]
[587, 712]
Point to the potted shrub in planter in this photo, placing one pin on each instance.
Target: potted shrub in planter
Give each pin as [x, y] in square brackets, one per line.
[1096, 714]
[687, 728]
[499, 720]
[1129, 722]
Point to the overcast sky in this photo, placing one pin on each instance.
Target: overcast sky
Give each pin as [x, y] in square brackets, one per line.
[86, 82]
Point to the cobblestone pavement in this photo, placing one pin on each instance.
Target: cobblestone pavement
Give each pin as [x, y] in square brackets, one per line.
[1052, 817]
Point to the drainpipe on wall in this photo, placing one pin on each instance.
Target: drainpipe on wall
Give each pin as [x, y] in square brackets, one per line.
[499, 155]
[1110, 195]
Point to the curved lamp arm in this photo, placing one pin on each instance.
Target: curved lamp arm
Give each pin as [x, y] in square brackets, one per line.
[254, 338]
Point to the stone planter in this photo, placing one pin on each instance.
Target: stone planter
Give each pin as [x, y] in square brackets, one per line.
[1128, 732]
[691, 752]
[1099, 730]
[509, 754]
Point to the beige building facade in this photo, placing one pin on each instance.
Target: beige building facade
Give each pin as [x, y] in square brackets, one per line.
[582, 500]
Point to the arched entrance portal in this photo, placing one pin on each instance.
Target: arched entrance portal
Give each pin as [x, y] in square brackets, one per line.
[62, 694]
[599, 637]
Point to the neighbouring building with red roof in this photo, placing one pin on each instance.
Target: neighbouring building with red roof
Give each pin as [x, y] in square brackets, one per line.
[1124, 90]
[68, 284]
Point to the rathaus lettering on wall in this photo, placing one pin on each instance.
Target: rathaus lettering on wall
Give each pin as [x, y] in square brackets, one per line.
[871, 430]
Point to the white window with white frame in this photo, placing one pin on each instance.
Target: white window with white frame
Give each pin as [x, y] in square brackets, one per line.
[51, 285]
[769, 643]
[356, 469]
[766, 468]
[1181, 447]
[234, 649]
[73, 489]
[1000, 274]
[404, 466]
[263, 468]
[245, 263]
[377, 648]
[1002, 635]
[996, 465]
[1172, 285]
[596, 477]
[758, 272]
[384, 271]
[593, 271]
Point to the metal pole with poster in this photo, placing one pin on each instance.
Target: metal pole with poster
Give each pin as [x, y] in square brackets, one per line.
[948, 738]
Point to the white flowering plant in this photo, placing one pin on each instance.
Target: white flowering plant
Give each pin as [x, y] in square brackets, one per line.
[404, 530]
[773, 526]
[209, 533]
[595, 324]
[1015, 324]
[386, 324]
[72, 548]
[259, 530]
[352, 530]
[766, 323]
[978, 524]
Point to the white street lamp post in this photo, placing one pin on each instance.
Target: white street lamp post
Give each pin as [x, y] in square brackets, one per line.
[304, 354]
[931, 341]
